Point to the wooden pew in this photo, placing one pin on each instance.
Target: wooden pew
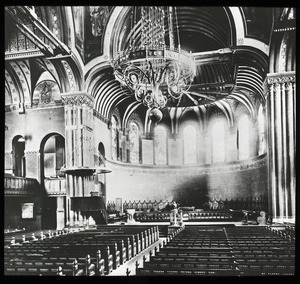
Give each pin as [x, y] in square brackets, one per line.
[184, 272]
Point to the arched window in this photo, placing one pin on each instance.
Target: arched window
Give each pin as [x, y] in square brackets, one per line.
[160, 145]
[114, 138]
[243, 137]
[53, 150]
[18, 146]
[189, 145]
[134, 143]
[261, 131]
[101, 153]
[218, 141]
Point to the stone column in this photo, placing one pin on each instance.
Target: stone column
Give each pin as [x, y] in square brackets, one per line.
[281, 122]
[79, 146]
[60, 213]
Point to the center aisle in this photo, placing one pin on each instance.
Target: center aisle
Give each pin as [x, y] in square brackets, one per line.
[121, 270]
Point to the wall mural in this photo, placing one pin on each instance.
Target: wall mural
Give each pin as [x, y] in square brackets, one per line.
[89, 36]
[46, 92]
[99, 17]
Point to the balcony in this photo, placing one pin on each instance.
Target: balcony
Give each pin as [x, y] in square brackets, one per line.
[20, 186]
[55, 186]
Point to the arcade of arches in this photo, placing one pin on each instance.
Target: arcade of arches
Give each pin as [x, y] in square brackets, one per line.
[80, 148]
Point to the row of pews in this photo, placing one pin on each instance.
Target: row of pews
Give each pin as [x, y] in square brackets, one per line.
[222, 251]
[192, 216]
[84, 253]
[262, 251]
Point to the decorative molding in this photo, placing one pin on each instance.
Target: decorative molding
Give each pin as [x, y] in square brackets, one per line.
[284, 29]
[23, 55]
[56, 193]
[254, 163]
[101, 117]
[78, 99]
[9, 108]
[70, 74]
[18, 192]
[31, 152]
[281, 78]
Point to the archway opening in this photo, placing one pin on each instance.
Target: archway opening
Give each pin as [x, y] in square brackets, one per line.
[19, 162]
[52, 159]
[101, 154]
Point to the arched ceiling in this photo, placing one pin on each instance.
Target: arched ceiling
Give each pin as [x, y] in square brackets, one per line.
[225, 66]
[222, 67]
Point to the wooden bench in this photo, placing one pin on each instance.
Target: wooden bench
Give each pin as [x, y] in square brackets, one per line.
[29, 271]
[199, 259]
[70, 266]
[184, 272]
[190, 265]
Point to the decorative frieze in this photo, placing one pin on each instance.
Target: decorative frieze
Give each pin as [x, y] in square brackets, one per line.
[255, 163]
[70, 75]
[281, 78]
[285, 29]
[32, 152]
[77, 99]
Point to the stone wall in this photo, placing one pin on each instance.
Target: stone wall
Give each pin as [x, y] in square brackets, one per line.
[190, 186]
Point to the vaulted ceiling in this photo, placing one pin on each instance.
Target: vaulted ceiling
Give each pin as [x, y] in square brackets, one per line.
[77, 44]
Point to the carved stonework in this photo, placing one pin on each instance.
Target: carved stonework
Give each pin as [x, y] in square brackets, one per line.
[32, 152]
[78, 99]
[281, 78]
[70, 74]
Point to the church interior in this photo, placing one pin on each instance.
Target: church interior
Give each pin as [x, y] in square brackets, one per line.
[150, 141]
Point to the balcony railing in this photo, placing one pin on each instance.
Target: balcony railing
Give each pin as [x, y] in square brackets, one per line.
[20, 185]
[55, 186]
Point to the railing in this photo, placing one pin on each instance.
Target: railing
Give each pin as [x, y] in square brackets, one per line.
[55, 186]
[20, 185]
[222, 167]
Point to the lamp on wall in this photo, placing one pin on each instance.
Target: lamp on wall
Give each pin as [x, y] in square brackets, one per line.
[154, 72]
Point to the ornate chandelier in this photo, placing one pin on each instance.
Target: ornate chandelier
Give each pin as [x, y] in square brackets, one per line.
[154, 72]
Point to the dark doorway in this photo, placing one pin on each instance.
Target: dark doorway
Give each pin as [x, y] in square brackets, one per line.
[50, 214]
[19, 166]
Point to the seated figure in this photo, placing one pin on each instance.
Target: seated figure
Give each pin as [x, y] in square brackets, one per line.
[206, 206]
[215, 205]
[221, 204]
[210, 204]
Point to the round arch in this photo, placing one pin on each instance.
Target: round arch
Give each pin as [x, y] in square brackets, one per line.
[18, 155]
[54, 145]
[101, 153]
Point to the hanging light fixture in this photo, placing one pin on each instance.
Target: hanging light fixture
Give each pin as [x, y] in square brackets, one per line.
[154, 72]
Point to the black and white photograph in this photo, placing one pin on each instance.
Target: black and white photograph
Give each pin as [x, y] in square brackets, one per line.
[150, 141]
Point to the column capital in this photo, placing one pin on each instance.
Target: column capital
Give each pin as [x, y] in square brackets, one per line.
[281, 78]
[77, 99]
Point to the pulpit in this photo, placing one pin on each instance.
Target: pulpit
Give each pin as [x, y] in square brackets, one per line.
[130, 216]
[176, 220]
